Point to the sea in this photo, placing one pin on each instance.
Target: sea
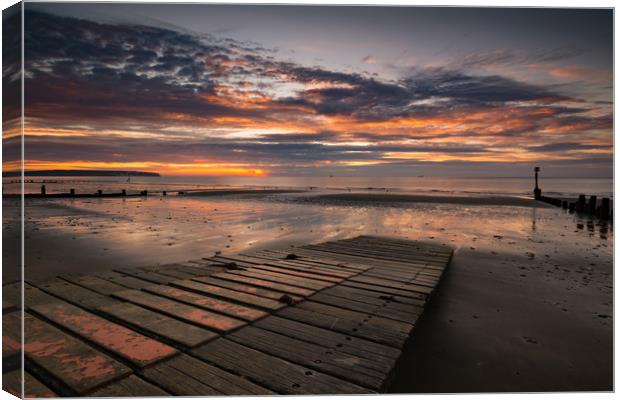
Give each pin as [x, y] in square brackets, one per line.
[554, 187]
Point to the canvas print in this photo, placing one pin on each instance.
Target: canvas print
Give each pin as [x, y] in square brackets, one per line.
[233, 199]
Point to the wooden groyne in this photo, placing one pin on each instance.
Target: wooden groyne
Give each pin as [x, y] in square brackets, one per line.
[331, 318]
[592, 207]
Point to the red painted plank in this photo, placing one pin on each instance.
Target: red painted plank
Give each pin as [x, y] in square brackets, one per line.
[182, 311]
[243, 287]
[76, 365]
[210, 303]
[267, 284]
[240, 297]
[138, 349]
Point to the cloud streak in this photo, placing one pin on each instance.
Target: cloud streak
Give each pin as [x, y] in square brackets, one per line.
[121, 93]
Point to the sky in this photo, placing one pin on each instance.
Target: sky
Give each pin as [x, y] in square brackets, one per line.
[305, 90]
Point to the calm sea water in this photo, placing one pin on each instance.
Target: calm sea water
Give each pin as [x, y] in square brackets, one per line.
[431, 185]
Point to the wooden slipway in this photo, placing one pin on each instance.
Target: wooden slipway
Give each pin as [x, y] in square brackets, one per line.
[331, 318]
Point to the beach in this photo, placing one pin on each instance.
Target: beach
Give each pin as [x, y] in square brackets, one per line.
[525, 305]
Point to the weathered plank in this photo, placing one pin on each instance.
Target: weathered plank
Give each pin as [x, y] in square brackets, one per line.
[411, 315]
[95, 284]
[305, 283]
[148, 276]
[346, 366]
[131, 346]
[244, 288]
[159, 325]
[292, 271]
[33, 388]
[188, 376]
[386, 290]
[288, 289]
[274, 373]
[11, 334]
[194, 315]
[229, 294]
[209, 303]
[384, 356]
[392, 284]
[317, 258]
[169, 270]
[371, 297]
[127, 281]
[77, 367]
[131, 386]
[75, 294]
[353, 324]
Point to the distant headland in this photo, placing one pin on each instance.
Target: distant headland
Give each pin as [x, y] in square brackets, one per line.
[78, 172]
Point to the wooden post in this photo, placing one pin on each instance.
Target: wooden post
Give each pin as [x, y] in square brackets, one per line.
[581, 203]
[605, 207]
[164, 193]
[99, 192]
[592, 205]
[537, 191]
[42, 190]
[571, 207]
[564, 204]
[124, 192]
[72, 192]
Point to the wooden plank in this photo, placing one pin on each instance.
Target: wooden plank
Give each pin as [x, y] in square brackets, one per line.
[391, 245]
[292, 271]
[374, 255]
[149, 276]
[159, 325]
[131, 346]
[384, 356]
[75, 294]
[77, 367]
[297, 291]
[127, 281]
[11, 334]
[229, 294]
[305, 283]
[363, 319]
[33, 388]
[369, 296]
[207, 302]
[317, 258]
[356, 259]
[392, 284]
[94, 283]
[34, 296]
[384, 310]
[386, 290]
[374, 251]
[346, 366]
[354, 324]
[323, 269]
[406, 243]
[244, 288]
[274, 373]
[188, 376]
[131, 386]
[168, 271]
[193, 315]
[194, 270]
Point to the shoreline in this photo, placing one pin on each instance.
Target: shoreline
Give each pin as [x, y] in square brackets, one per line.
[388, 200]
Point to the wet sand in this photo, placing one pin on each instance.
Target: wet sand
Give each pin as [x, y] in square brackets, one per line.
[525, 306]
[513, 323]
[405, 199]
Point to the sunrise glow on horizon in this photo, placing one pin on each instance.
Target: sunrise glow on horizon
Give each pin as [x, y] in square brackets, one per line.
[281, 90]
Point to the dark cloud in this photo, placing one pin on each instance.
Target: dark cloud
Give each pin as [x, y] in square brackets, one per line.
[98, 76]
[562, 147]
[498, 57]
